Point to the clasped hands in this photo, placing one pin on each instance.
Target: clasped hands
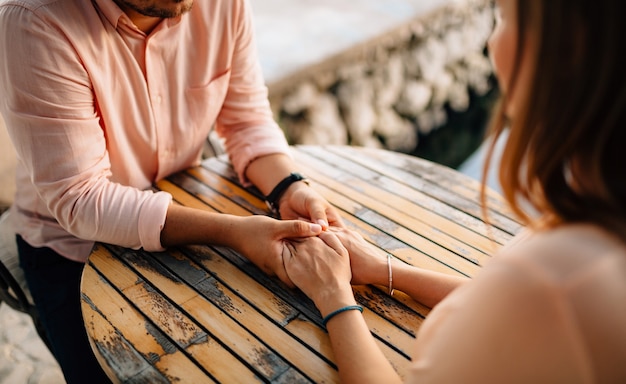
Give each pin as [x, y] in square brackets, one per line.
[325, 266]
[310, 248]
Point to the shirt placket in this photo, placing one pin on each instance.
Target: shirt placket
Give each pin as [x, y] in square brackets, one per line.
[156, 79]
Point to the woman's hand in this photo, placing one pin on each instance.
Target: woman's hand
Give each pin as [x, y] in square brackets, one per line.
[320, 267]
[369, 266]
[302, 201]
[262, 239]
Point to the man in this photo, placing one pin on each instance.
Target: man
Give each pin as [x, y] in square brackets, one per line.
[101, 98]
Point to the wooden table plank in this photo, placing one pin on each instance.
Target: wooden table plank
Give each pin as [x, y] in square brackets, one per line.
[283, 312]
[141, 346]
[166, 318]
[235, 193]
[402, 184]
[383, 179]
[456, 189]
[397, 210]
[182, 196]
[246, 321]
[229, 330]
[406, 244]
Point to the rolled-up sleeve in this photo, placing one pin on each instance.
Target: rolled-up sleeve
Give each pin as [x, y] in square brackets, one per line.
[246, 121]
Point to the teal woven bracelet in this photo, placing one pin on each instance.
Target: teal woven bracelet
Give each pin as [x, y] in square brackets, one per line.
[343, 309]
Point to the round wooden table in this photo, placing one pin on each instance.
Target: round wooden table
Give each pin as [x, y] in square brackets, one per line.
[206, 314]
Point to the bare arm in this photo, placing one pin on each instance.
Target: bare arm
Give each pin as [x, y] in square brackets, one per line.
[424, 286]
[259, 238]
[320, 267]
[369, 266]
[324, 268]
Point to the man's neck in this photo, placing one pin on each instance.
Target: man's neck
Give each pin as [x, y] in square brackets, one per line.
[145, 23]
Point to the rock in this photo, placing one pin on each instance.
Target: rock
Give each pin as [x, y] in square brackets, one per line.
[479, 71]
[352, 71]
[300, 99]
[398, 134]
[431, 57]
[19, 373]
[431, 119]
[388, 81]
[458, 97]
[356, 102]
[325, 125]
[414, 99]
[441, 84]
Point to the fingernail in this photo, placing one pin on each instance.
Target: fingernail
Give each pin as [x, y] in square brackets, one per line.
[323, 224]
[316, 228]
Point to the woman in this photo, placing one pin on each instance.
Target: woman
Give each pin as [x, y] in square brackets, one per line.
[551, 307]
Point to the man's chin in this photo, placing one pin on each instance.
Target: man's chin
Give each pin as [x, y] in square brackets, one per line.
[159, 8]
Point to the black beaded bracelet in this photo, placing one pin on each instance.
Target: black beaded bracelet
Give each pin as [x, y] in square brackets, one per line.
[338, 311]
[273, 198]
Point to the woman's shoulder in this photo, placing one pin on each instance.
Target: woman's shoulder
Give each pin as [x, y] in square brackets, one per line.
[568, 253]
[553, 301]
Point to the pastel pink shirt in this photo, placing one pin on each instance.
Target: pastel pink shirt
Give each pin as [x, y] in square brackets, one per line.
[98, 111]
[549, 309]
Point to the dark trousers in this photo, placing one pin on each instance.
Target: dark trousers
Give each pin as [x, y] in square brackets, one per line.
[54, 282]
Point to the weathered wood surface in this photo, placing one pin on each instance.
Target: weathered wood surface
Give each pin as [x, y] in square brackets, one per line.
[206, 314]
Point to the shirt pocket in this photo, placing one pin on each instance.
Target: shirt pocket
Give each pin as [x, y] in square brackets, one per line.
[205, 103]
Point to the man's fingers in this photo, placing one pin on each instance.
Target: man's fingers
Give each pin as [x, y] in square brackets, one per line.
[299, 228]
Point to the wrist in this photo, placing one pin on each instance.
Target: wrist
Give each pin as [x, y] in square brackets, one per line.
[280, 190]
[377, 273]
[291, 190]
[339, 311]
[329, 302]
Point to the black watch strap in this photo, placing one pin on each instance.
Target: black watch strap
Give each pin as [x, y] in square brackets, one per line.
[273, 198]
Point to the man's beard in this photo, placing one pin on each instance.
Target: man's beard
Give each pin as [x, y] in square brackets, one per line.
[148, 9]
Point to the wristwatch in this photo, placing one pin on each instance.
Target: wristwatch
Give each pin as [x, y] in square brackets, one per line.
[274, 197]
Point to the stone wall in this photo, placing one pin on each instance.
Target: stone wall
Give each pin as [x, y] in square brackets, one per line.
[389, 91]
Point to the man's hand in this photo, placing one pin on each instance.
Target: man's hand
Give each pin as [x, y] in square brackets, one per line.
[303, 202]
[261, 239]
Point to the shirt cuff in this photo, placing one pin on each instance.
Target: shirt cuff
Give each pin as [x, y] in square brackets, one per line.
[152, 219]
[260, 141]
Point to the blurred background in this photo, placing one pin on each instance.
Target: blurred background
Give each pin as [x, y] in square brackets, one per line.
[406, 75]
[411, 76]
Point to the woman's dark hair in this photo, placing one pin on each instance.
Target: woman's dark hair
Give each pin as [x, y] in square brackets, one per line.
[566, 151]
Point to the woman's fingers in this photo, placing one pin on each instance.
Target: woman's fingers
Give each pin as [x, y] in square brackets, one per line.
[333, 241]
